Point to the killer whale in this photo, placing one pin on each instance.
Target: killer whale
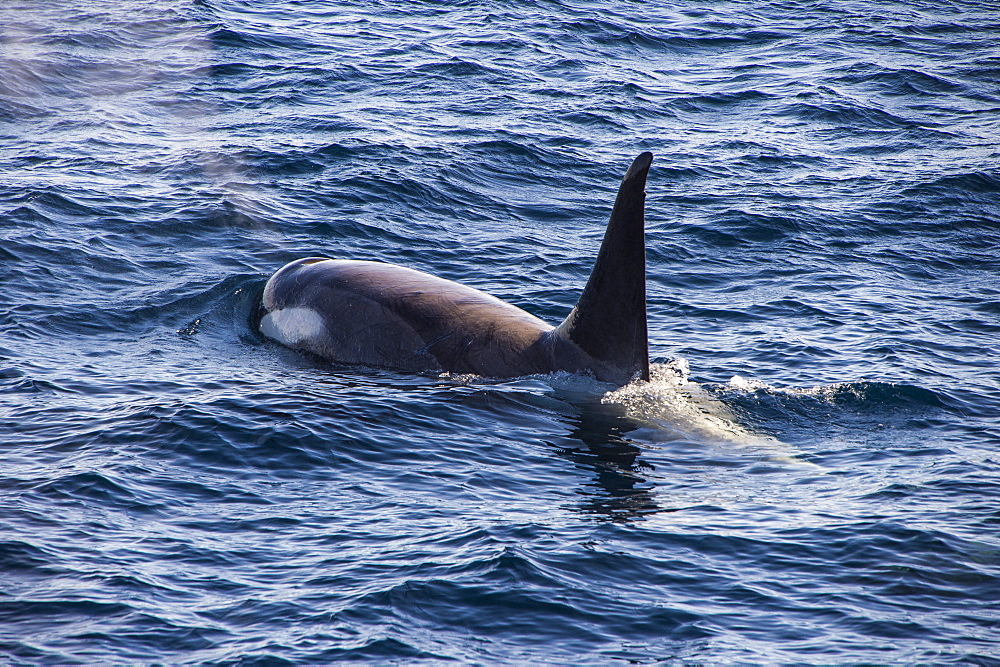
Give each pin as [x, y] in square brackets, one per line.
[384, 315]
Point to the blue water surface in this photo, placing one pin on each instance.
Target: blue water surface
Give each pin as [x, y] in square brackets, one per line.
[812, 475]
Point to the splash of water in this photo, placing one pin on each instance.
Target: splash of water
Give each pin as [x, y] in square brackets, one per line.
[672, 407]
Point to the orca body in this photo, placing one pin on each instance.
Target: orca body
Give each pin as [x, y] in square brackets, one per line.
[383, 315]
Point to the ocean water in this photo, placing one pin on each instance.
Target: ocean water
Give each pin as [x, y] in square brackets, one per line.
[812, 475]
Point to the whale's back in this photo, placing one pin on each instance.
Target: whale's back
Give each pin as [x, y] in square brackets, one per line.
[378, 314]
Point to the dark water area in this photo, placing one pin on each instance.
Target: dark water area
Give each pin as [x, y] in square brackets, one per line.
[812, 475]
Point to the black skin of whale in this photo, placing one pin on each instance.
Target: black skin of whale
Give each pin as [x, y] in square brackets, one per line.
[388, 316]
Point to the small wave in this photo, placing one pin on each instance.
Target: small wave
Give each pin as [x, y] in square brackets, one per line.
[856, 409]
[228, 38]
[135, 315]
[528, 154]
[27, 216]
[872, 396]
[617, 30]
[456, 68]
[488, 607]
[12, 111]
[54, 204]
[91, 39]
[95, 488]
[720, 101]
[62, 610]
[757, 228]
[846, 115]
[13, 381]
[25, 558]
[903, 81]
[958, 188]
[372, 649]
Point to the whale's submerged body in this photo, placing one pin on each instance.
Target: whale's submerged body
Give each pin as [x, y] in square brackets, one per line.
[377, 314]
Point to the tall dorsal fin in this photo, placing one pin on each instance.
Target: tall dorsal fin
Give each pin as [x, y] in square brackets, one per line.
[609, 320]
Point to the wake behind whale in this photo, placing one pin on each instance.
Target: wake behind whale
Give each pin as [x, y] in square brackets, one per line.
[389, 316]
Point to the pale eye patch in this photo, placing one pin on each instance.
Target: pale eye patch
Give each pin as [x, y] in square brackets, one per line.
[291, 326]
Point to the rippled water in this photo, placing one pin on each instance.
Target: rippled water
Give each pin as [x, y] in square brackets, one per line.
[812, 474]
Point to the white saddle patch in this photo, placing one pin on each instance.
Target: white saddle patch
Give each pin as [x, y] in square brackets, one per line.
[291, 326]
